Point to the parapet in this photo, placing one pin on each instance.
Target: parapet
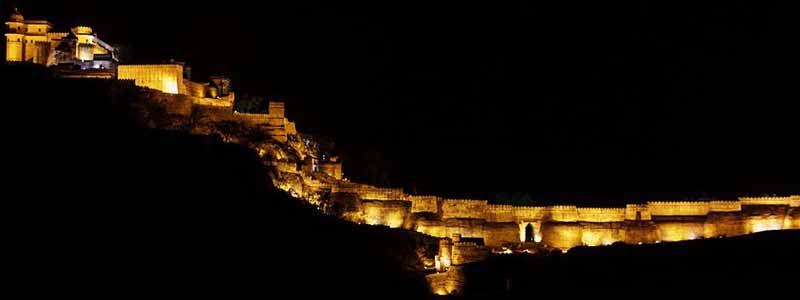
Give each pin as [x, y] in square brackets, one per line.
[368, 192]
[277, 109]
[766, 200]
[511, 213]
[594, 214]
[424, 204]
[725, 206]
[678, 208]
[82, 30]
[254, 119]
[638, 212]
[464, 208]
[564, 213]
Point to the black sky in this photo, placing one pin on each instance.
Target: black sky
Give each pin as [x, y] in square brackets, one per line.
[598, 101]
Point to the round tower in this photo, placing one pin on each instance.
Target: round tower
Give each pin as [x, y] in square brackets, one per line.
[15, 37]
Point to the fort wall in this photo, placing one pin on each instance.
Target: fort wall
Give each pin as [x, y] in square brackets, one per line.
[226, 102]
[447, 283]
[792, 220]
[598, 234]
[566, 226]
[428, 204]
[678, 208]
[435, 228]
[641, 232]
[724, 224]
[250, 118]
[681, 229]
[500, 213]
[468, 252]
[497, 234]
[592, 214]
[758, 218]
[165, 78]
[767, 200]
[461, 208]
[724, 206]
[473, 228]
[564, 213]
[638, 212]
[394, 214]
[562, 235]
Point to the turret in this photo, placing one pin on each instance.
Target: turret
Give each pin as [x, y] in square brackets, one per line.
[86, 42]
[15, 37]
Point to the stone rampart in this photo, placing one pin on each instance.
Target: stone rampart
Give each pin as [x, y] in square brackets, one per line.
[678, 208]
[463, 208]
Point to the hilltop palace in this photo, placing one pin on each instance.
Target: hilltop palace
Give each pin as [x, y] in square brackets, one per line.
[469, 230]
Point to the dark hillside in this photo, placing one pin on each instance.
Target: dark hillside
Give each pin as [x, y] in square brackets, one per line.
[107, 209]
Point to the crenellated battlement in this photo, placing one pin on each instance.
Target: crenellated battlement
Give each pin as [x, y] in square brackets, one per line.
[564, 213]
[368, 192]
[637, 212]
[251, 118]
[464, 208]
[598, 214]
[678, 208]
[724, 206]
[424, 203]
[766, 200]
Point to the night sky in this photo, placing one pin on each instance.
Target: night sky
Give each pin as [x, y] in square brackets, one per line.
[603, 102]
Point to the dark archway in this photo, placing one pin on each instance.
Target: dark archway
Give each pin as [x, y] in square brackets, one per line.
[529, 233]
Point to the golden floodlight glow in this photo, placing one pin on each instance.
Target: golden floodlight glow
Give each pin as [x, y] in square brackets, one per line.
[170, 86]
[760, 225]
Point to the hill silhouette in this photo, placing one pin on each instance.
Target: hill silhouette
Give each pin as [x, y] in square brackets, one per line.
[110, 209]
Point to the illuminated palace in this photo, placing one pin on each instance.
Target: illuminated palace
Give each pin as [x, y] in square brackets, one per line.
[33, 41]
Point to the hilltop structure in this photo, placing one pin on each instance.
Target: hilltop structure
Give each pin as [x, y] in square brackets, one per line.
[34, 41]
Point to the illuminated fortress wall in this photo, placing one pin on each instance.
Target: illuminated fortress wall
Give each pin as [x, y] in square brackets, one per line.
[465, 227]
[792, 219]
[369, 192]
[592, 214]
[461, 208]
[165, 78]
[497, 234]
[562, 235]
[672, 229]
[252, 119]
[567, 226]
[641, 232]
[662, 208]
[560, 226]
[429, 204]
[430, 227]
[758, 218]
[724, 224]
[637, 212]
[390, 213]
[598, 234]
